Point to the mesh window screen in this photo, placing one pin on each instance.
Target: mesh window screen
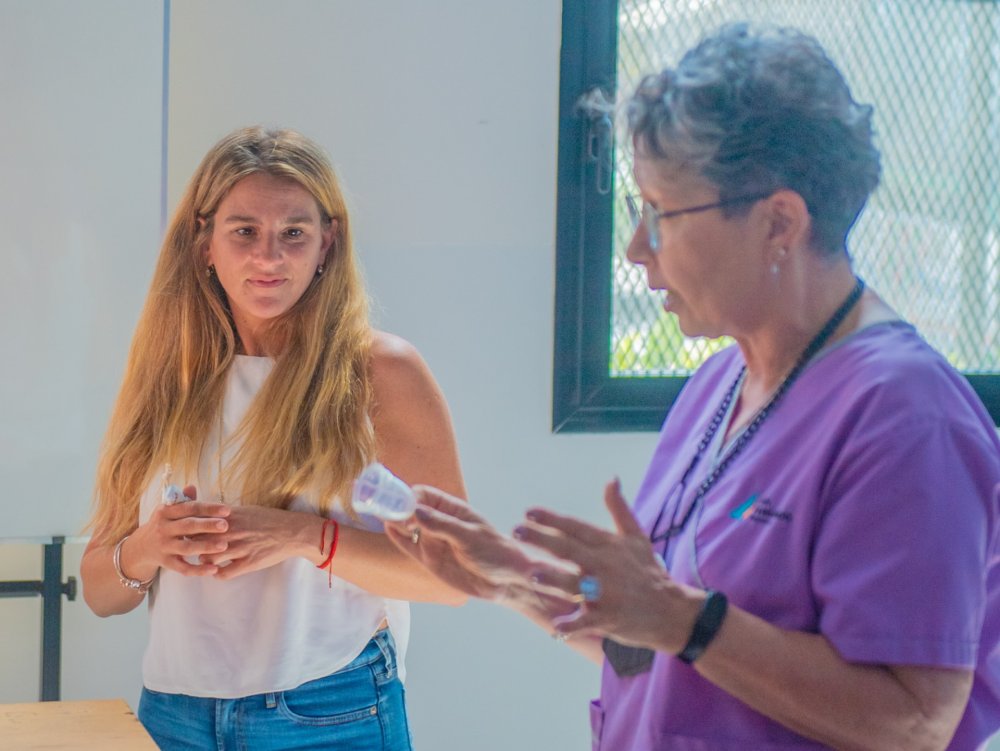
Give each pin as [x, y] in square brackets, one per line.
[929, 239]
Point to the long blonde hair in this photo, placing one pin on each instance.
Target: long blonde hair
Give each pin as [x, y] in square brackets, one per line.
[308, 429]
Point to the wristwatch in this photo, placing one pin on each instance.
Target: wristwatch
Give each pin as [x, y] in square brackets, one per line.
[706, 626]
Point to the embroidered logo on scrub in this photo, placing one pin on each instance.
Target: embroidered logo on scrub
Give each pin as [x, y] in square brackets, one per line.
[759, 510]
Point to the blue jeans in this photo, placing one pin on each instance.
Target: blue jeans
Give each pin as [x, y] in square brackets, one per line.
[361, 706]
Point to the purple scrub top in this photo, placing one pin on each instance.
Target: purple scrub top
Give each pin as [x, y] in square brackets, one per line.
[865, 508]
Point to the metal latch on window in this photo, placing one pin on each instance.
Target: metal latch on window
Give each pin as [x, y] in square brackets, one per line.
[599, 143]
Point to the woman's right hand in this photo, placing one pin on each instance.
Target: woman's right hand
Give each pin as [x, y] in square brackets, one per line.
[174, 532]
[459, 546]
[467, 552]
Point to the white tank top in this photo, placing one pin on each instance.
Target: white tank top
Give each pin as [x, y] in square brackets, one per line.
[269, 630]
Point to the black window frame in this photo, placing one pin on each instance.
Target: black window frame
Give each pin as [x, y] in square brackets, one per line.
[586, 398]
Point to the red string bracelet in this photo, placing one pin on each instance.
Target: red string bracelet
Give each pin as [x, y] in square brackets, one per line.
[333, 548]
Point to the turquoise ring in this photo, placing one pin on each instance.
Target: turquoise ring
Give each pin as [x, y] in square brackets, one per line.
[590, 588]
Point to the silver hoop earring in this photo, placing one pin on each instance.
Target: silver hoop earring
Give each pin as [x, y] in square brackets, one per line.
[210, 272]
[319, 270]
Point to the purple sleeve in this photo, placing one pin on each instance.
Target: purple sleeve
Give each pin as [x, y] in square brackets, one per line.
[900, 561]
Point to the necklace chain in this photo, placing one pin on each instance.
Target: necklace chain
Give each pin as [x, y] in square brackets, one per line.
[218, 466]
[168, 469]
[741, 442]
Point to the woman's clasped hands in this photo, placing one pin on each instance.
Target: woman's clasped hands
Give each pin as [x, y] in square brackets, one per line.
[258, 537]
[198, 538]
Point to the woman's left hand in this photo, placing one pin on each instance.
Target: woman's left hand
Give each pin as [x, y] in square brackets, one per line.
[637, 602]
[260, 537]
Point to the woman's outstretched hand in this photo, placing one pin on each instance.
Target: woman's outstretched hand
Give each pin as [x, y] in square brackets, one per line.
[630, 596]
[459, 546]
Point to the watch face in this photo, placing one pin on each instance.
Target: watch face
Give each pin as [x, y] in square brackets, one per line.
[627, 661]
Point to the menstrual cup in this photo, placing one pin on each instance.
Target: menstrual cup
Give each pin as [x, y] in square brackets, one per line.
[173, 494]
[378, 492]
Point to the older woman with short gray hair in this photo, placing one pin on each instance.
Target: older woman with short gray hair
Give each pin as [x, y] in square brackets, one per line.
[811, 559]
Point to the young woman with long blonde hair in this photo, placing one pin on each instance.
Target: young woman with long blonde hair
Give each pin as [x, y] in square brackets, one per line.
[257, 385]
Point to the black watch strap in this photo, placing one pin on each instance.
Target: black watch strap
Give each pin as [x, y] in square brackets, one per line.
[706, 626]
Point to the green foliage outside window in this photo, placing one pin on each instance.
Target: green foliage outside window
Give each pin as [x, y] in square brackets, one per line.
[929, 240]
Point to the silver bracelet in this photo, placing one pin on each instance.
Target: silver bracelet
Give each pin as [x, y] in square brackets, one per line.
[129, 583]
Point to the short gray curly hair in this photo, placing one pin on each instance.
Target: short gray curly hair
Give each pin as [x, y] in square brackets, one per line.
[756, 109]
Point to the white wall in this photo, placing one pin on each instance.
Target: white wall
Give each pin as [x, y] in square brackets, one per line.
[80, 154]
[441, 118]
[80, 194]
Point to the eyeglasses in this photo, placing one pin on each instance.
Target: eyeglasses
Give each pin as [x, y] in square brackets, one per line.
[674, 501]
[650, 217]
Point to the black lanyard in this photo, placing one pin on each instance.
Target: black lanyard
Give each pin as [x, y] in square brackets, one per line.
[628, 661]
[741, 442]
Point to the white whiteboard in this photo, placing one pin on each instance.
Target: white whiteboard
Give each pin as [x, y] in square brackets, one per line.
[80, 215]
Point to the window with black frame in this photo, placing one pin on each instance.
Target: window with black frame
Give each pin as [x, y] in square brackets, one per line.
[929, 239]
